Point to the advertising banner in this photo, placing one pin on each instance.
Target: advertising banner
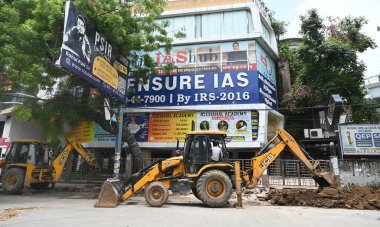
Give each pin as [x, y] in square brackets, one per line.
[213, 57]
[100, 135]
[84, 131]
[86, 53]
[265, 65]
[224, 88]
[237, 124]
[170, 126]
[234, 87]
[138, 125]
[360, 139]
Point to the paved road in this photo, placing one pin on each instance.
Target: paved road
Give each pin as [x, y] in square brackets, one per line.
[76, 209]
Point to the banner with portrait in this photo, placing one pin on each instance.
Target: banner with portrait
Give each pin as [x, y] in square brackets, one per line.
[86, 53]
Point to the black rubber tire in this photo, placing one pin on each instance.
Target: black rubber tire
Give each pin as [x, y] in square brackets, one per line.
[39, 186]
[156, 194]
[13, 181]
[214, 188]
[195, 193]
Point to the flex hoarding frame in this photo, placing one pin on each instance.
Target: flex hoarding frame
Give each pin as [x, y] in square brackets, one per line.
[359, 139]
[225, 73]
[86, 53]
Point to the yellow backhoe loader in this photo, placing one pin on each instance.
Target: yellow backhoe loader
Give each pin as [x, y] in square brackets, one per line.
[211, 182]
[26, 164]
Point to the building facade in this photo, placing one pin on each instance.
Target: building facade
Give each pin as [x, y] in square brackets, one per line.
[225, 80]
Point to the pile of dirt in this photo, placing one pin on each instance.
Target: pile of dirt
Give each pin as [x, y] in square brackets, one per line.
[349, 196]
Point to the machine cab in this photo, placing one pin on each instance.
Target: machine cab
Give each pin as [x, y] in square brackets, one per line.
[198, 149]
[26, 151]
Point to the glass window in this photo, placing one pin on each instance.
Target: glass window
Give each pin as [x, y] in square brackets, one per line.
[266, 33]
[18, 153]
[212, 25]
[199, 149]
[231, 19]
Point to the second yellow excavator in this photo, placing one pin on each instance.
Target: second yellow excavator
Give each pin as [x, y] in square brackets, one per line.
[26, 164]
[211, 182]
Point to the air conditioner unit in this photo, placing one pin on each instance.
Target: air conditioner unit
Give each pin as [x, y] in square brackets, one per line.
[316, 133]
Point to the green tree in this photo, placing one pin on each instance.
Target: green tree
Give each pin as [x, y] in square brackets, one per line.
[31, 33]
[327, 63]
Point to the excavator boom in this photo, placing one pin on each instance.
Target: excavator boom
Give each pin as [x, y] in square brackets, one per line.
[265, 157]
[59, 162]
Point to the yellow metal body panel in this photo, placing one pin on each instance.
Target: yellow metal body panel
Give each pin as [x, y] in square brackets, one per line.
[155, 173]
[211, 166]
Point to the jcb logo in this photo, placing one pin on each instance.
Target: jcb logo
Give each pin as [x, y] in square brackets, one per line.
[264, 163]
[63, 158]
[168, 164]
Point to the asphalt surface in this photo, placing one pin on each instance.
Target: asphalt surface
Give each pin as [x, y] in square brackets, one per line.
[63, 208]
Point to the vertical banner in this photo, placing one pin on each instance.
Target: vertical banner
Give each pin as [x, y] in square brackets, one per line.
[255, 125]
[265, 65]
[87, 53]
[237, 124]
[170, 126]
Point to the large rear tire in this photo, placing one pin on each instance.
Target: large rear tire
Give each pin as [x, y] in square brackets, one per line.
[156, 194]
[214, 188]
[39, 186]
[13, 181]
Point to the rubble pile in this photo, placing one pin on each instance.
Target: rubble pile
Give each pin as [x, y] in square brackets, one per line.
[349, 196]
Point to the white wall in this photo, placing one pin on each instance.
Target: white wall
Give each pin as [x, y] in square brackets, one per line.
[15, 129]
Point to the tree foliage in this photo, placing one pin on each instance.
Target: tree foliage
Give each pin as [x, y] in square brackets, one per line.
[326, 62]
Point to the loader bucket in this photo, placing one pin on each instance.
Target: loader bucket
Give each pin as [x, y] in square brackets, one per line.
[326, 179]
[109, 196]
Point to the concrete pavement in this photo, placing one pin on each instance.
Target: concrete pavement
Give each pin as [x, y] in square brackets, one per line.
[76, 209]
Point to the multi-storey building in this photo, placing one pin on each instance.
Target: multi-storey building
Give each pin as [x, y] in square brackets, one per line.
[225, 80]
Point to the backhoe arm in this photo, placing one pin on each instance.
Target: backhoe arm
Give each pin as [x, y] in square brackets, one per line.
[90, 159]
[265, 158]
[59, 162]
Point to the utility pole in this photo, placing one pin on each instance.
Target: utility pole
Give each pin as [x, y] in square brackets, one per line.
[116, 165]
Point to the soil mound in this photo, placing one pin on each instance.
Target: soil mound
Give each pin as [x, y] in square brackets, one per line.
[349, 196]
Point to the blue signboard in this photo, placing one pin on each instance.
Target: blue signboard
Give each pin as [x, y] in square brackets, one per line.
[217, 88]
[363, 139]
[267, 92]
[86, 53]
[376, 139]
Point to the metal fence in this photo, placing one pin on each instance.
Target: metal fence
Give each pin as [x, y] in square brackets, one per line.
[288, 173]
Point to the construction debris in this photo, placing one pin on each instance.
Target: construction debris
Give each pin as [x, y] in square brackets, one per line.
[350, 197]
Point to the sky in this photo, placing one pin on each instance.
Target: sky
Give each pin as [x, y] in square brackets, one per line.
[290, 11]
